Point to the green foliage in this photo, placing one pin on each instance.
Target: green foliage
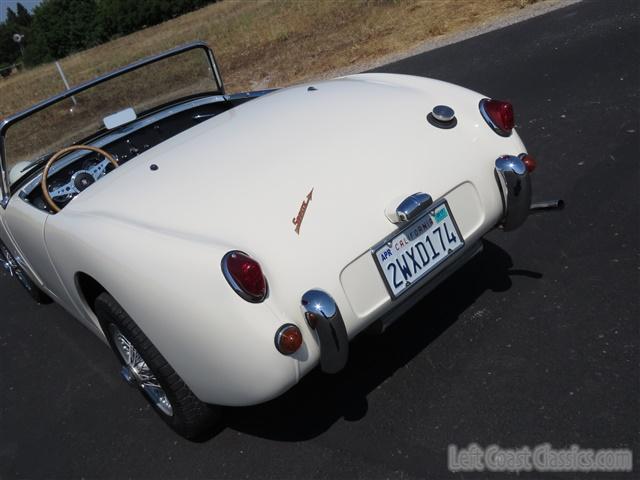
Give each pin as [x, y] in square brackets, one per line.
[58, 28]
[9, 51]
[23, 17]
[61, 27]
[121, 17]
[16, 22]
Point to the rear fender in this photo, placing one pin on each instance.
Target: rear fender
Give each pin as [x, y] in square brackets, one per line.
[173, 288]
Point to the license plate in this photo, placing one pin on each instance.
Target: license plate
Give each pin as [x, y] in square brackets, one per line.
[418, 249]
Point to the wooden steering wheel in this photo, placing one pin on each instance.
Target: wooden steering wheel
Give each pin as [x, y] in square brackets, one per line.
[44, 183]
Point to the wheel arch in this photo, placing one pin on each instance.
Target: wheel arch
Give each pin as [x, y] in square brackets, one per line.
[88, 289]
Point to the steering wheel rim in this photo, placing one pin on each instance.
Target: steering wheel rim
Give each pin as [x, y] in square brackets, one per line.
[44, 183]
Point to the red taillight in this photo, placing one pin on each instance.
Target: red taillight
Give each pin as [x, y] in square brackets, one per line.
[245, 276]
[529, 162]
[288, 339]
[499, 115]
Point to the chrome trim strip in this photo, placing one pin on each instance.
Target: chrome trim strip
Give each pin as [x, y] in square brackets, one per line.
[323, 316]
[254, 94]
[490, 122]
[515, 188]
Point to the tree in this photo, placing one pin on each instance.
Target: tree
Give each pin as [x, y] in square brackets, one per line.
[23, 17]
[58, 28]
[9, 51]
[121, 17]
[61, 27]
[17, 22]
[11, 16]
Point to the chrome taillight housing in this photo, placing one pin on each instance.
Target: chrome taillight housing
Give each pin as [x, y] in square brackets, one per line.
[499, 115]
[245, 276]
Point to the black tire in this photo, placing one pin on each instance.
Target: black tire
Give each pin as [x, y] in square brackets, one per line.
[16, 271]
[190, 418]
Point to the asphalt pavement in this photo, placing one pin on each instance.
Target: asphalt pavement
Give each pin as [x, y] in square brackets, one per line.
[535, 341]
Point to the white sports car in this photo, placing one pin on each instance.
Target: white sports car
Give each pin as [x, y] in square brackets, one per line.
[226, 245]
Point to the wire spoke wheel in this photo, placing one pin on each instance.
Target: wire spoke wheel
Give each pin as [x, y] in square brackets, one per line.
[12, 266]
[144, 367]
[137, 372]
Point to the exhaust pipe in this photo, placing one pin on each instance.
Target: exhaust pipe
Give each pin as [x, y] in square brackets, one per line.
[538, 207]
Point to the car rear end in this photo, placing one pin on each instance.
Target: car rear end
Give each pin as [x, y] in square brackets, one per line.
[355, 259]
[291, 223]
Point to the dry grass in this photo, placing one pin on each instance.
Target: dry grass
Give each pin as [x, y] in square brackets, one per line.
[263, 43]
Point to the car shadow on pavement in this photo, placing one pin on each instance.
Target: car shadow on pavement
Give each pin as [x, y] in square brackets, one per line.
[319, 400]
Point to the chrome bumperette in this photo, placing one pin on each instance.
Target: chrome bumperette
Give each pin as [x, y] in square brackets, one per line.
[409, 208]
[323, 316]
[515, 187]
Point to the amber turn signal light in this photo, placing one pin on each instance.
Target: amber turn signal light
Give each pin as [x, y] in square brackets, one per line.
[288, 339]
[529, 162]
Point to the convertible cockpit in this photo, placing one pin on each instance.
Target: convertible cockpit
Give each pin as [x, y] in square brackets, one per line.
[58, 148]
[71, 170]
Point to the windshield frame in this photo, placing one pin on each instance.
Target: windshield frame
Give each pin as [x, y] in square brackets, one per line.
[6, 189]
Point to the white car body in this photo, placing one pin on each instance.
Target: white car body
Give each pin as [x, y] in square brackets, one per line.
[155, 239]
